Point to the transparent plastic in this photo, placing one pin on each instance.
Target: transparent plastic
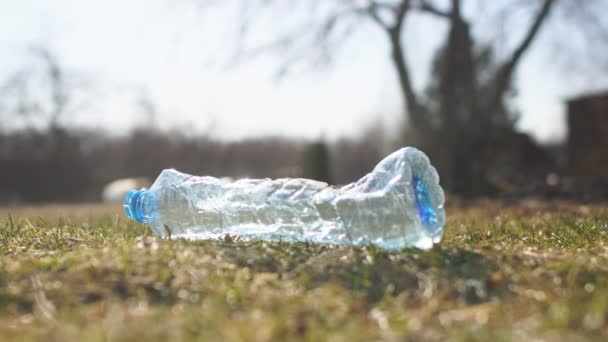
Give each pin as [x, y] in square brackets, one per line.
[399, 204]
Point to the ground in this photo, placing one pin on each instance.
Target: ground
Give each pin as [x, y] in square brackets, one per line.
[518, 272]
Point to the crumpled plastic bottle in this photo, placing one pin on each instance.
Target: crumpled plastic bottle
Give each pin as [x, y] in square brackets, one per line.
[399, 204]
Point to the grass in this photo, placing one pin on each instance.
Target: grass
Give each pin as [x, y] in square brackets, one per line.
[503, 272]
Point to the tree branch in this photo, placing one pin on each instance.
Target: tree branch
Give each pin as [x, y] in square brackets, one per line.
[400, 12]
[428, 7]
[372, 11]
[532, 32]
[417, 113]
[314, 38]
[505, 72]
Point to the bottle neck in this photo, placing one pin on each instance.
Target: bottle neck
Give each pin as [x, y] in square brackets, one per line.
[134, 205]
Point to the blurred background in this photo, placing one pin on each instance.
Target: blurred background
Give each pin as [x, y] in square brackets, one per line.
[509, 98]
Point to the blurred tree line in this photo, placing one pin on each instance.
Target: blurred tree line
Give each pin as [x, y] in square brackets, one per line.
[43, 158]
[31, 170]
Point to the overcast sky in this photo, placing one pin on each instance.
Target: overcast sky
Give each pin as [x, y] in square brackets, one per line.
[173, 52]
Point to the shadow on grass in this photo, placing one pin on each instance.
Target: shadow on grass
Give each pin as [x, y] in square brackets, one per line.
[372, 274]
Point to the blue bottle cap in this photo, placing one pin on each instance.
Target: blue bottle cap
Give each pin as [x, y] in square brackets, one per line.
[134, 205]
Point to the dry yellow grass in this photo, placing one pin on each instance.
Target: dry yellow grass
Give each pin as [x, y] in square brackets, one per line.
[503, 272]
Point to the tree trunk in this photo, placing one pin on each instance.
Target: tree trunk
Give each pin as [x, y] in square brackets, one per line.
[464, 119]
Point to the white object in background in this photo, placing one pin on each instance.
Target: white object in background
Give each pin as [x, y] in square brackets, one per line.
[115, 191]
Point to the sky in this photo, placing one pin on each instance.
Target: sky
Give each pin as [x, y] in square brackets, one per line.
[176, 54]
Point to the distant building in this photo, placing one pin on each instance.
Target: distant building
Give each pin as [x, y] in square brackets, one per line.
[588, 136]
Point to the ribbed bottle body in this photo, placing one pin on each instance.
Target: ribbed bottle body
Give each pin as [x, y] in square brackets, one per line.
[398, 204]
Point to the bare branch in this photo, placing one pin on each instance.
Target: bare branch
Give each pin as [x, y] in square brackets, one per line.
[59, 91]
[505, 72]
[426, 6]
[315, 39]
[417, 113]
[400, 12]
[532, 33]
[372, 11]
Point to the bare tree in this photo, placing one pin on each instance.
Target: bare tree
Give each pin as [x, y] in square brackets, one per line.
[470, 110]
[43, 93]
[45, 159]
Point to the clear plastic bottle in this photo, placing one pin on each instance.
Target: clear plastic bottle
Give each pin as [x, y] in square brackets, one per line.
[399, 204]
